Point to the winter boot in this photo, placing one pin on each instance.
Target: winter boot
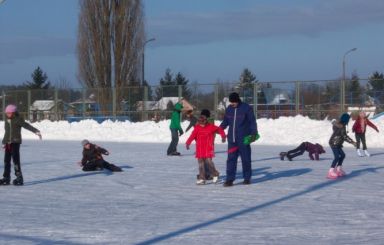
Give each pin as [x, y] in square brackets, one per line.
[332, 174]
[18, 181]
[282, 155]
[228, 183]
[246, 182]
[5, 181]
[359, 153]
[367, 153]
[200, 182]
[339, 171]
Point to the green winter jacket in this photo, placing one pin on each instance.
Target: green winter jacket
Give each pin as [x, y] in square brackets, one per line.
[12, 127]
[175, 118]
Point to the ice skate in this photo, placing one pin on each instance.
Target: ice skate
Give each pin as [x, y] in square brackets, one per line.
[367, 153]
[200, 182]
[215, 179]
[359, 153]
[18, 181]
[340, 172]
[5, 181]
[332, 174]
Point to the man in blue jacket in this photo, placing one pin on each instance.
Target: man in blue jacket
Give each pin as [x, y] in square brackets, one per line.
[242, 130]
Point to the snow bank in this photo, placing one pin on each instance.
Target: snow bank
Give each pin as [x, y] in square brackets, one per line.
[282, 131]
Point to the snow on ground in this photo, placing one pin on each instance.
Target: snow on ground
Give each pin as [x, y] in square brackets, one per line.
[282, 131]
[156, 201]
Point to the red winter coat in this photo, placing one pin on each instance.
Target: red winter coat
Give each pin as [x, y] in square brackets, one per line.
[204, 136]
[360, 125]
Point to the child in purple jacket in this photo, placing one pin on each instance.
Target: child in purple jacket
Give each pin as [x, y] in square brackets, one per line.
[313, 149]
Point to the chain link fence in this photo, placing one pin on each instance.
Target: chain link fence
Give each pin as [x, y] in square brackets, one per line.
[315, 99]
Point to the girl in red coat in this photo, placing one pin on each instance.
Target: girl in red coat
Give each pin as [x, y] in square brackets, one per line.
[359, 128]
[204, 134]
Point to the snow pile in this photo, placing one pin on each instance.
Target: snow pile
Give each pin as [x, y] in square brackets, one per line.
[282, 131]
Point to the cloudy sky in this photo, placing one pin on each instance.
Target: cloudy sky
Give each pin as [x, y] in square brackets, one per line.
[278, 40]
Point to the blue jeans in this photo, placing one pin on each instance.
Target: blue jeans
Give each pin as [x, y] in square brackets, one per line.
[339, 156]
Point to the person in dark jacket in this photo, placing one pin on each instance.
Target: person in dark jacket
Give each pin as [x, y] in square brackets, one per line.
[11, 144]
[336, 141]
[192, 120]
[176, 130]
[240, 119]
[313, 149]
[93, 160]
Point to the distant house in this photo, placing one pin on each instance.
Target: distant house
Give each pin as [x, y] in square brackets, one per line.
[46, 110]
[162, 104]
[270, 96]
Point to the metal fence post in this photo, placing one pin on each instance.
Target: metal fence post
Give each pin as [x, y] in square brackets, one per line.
[114, 98]
[216, 101]
[297, 97]
[255, 87]
[56, 104]
[84, 98]
[180, 92]
[3, 99]
[145, 118]
[29, 105]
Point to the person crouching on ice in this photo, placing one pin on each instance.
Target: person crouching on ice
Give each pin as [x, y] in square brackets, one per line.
[93, 159]
[336, 141]
[203, 134]
[313, 149]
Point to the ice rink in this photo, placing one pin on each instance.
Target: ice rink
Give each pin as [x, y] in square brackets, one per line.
[156, 201]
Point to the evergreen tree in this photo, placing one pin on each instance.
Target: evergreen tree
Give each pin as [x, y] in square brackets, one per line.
[169, 86]
[39, 80]
[245, 85]
[353, 89]
[376, 86]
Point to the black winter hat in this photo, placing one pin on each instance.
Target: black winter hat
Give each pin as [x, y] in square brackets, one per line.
[206, 113]
[234, 97]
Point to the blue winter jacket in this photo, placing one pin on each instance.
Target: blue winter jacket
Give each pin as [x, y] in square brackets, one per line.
[241, 121]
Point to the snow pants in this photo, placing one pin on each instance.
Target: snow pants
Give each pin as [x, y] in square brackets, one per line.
[175, 140]
[339, 156]
[100, 164]
[206, 168]
[360, 137]
[234, 151]
[297, 151]
[12, 152]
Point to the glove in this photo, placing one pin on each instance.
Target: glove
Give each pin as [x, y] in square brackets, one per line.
[181, 132]
[223, 140]
[187, 146]
[250, 138]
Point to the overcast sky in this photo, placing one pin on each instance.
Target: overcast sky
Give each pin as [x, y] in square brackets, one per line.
[277, 40]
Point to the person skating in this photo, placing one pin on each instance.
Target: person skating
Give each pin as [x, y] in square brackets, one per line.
[203, 134]
[176, 130]
[11, 143]
[192, 120]
[313, 149]
[359, 128]
[336, 141]
[240, 119]
[93, 160]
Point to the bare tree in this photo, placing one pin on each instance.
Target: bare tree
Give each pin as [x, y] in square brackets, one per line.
[110, 42]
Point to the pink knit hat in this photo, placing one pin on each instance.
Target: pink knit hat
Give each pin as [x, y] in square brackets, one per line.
[10, 109]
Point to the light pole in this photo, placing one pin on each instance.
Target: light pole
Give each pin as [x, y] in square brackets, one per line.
[342, 90]
[143, 61]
